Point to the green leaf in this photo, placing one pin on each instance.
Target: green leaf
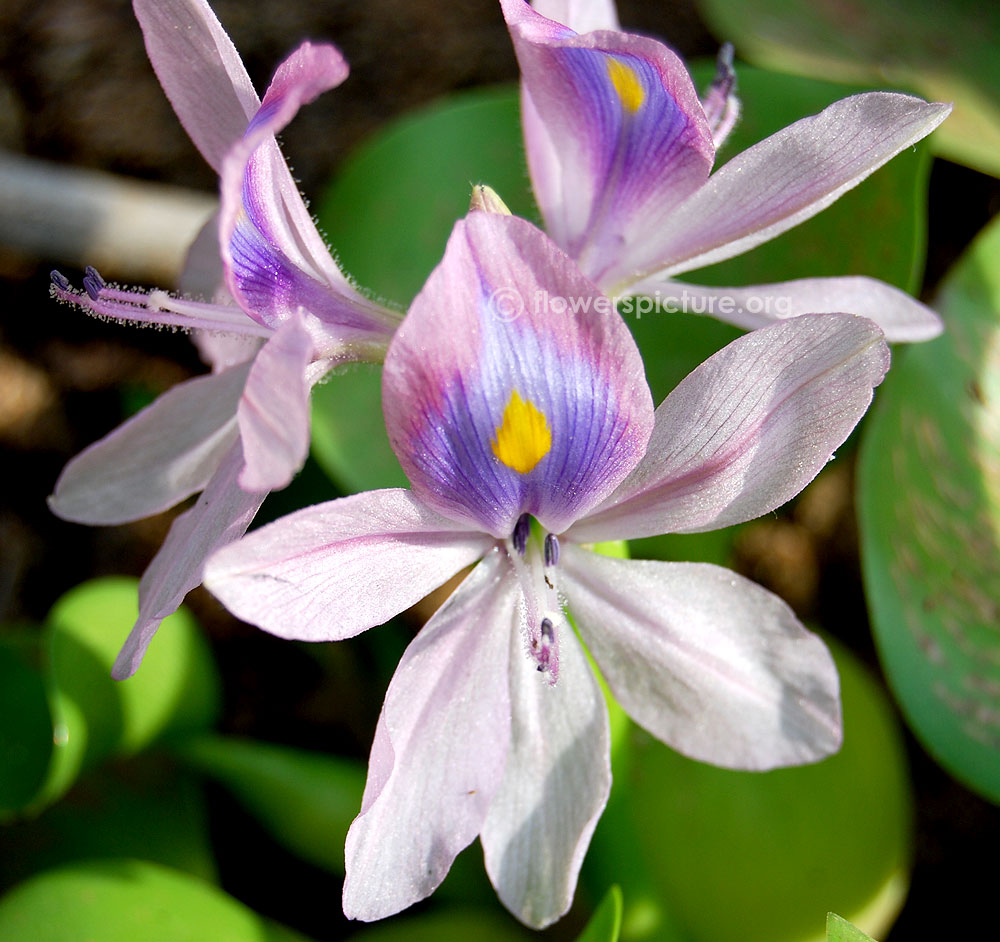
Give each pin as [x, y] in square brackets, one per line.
[606, 923]
[305, 800]
[95, 717]
[929, 508]
[705, 854]
[145, 807]
[25, 724]
[126, 900]
[943, 51]
[839, 929]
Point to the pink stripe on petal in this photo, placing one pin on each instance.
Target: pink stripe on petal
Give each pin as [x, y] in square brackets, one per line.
[334, 570]
[748, 429]
[439, 749]
[707, 661]
[789, 177]
[221, 515]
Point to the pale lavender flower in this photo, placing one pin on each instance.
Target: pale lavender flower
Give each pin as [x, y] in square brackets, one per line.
[620, 151]
[284, 316]
[493, 724]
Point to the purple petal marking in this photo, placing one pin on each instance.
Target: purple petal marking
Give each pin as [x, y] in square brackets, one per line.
[555, 785]
[439, 750]
[273, 411]
[334, 570]
[748, 429]
[221, 515]
[276, 261]
[789, 177]
[200, 71]
[709, 662]
[165, 453]
[484, 327]
[902, 318]
[607, 164]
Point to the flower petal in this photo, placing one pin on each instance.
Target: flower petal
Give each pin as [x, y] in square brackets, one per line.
[274, 409]
[221, 515]
[331, 571]
[439, 749]
[748, 429]
[581, 16]
[555, 785]
[165, 453]
[513, 386]
[275, 259]
[707, 661]
[200, 71]
[620, 115]
[902, 318]
[789, 177]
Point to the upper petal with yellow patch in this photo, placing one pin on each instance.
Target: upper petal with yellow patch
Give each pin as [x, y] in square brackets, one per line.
[615, 137]
[512, 385]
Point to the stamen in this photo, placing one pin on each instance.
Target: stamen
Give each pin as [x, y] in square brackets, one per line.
[548, 633]
[59, 280]
[93, 282]
[522, 529]
[551, 549]
[725, 74]
[722, 106]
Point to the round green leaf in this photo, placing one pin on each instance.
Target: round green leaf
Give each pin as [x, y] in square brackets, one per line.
[705, 854]
[25, 727]
[306, 800]
[929, 509]
[128, 900]
[94, 717]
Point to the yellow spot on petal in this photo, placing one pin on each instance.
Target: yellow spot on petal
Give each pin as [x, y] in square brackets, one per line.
[523, 436]
[627, 85]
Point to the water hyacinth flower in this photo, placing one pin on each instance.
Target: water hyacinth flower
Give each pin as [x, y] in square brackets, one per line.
[493, 723]
[284, 316]
[621, 149]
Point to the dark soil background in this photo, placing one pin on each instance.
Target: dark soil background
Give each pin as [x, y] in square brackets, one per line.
[76, 87]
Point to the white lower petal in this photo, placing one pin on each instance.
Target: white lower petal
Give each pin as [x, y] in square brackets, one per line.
[709, 662]
[439, 748]
[555, 785]
[221, 515]
[165, 453]
[329, 572]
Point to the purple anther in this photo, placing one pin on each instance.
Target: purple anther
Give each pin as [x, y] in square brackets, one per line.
[725, 74]
[550, 549]
[548, 630]
[519, 537]
[93, 282]
[59, 280]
